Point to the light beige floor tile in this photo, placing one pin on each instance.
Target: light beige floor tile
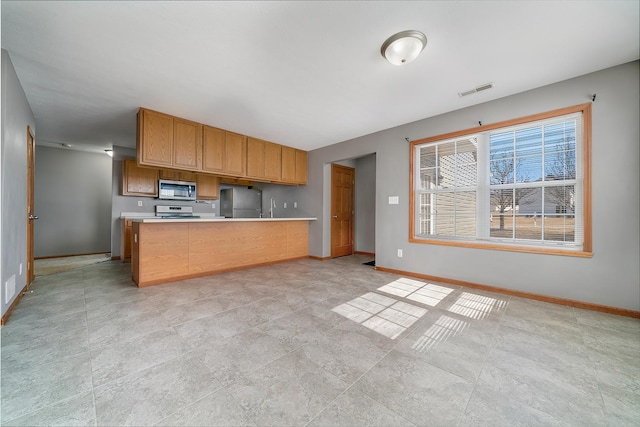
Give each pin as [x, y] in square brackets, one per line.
[354, 408]
[420, 392]
[290, 391]
[308, 341]
[216, 410]
[150, 395]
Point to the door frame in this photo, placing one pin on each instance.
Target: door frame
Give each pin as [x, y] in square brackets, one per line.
[30, 274]
[352, 225]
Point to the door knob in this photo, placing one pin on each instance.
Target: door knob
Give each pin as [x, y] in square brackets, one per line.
[34, 217]
[335, 216]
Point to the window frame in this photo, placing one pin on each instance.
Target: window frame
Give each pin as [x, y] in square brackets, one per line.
[587, 249]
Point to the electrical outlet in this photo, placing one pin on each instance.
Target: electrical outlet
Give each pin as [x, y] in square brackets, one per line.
[213, 205]
[295, 205]
[139, 202]
[284, 205]
[399, 253]
[20, 273]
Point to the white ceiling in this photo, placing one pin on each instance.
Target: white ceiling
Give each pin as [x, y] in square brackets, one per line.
[304, 74]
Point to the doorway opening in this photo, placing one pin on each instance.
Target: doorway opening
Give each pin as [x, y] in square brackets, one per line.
[356, 236]
[343, 182]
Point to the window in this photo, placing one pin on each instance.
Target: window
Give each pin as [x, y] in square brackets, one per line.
[516, 185]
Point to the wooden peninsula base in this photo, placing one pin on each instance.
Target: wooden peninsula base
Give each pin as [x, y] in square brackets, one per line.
[166, 251]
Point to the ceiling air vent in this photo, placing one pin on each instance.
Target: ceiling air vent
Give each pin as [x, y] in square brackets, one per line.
[475, 89]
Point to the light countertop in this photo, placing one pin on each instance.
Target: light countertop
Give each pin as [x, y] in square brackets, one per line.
[214, 219]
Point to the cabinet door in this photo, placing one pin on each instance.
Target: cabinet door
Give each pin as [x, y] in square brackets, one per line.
[208, 187]
[177, 175]
[301, 167]
[169, 174]
[187, 176]
[272, 161]
[255, 158]
[187, 144]
[127, 240]
[213, 149]
[235, 153]
[288, 164]
[235, 181]
[137, 181]
[155, 138]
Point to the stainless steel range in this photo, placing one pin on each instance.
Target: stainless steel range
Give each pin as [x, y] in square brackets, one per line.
[163, 211]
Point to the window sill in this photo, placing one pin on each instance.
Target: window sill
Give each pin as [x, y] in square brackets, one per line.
[508, 248]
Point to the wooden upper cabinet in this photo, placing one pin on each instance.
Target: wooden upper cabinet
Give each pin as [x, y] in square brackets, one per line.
[213, 149]
[187, 144]
[264, 160]
[169, 174]
[301, 167]
[224, 152]
[177, 175]
[172, 143]
[187, 176]
[294, 165]
[255, 158]
[137, 181]
[288, 164]
[272, 161]
[235, 153]
[167, 141]
[208, 187]
[155, 138]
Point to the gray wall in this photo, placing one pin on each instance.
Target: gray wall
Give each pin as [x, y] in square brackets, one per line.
[16, 116]
[73, 201]
[123, 203]
[365, 204]
[610, 277]
[283, 194]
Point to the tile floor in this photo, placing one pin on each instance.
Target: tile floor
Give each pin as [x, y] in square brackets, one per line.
[309, 343]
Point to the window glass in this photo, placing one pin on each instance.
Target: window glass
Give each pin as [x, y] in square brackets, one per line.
[532, 172]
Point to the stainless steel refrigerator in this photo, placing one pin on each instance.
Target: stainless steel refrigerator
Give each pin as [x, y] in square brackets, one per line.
[240, 203]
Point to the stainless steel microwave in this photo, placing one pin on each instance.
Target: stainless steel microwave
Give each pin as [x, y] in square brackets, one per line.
[176, 190]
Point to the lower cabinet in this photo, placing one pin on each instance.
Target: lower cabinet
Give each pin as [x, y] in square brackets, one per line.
[159, 253]
[165, 252]
[126, 242]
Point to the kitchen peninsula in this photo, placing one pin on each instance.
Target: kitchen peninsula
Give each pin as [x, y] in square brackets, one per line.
[166, 250]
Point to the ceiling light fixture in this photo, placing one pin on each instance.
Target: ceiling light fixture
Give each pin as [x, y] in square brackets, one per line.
[109, 152]
[403, 47]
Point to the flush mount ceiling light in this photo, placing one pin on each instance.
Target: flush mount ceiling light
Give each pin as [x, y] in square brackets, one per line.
[403, 47]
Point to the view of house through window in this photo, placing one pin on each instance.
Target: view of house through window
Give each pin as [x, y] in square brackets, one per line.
[519, 184]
